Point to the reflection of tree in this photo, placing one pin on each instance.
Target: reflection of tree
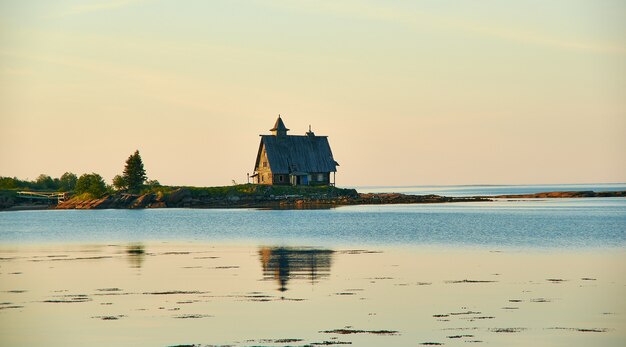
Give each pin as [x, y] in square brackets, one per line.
[285, 263]
[136, 254]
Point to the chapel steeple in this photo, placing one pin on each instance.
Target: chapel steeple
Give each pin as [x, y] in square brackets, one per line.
[279, 128]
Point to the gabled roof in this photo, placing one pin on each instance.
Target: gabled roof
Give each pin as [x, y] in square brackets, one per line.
[292, 153]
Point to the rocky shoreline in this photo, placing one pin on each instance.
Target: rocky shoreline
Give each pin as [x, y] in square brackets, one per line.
[557, 195]
[188, 198]
[183, 198]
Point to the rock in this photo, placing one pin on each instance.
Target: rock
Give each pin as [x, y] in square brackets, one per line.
[102, 203]
[554, 195]
[157, 204]
[160, 196]
[142, 201]
[6, 202]
[177, 196]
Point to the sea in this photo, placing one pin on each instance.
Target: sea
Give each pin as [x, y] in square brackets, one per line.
[504, 223]
[507, 272]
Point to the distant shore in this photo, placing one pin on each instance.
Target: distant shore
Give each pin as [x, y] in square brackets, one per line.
[272, 197]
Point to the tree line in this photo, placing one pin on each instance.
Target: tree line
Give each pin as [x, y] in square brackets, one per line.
[132, 180]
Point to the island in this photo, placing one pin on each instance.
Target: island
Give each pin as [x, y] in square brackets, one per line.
[252, 196]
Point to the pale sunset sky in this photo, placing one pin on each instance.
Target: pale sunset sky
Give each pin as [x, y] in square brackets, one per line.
[409, 92]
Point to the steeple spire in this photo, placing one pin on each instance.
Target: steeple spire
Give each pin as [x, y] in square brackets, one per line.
[279, 128]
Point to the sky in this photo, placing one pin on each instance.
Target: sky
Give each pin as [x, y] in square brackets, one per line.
[409, 92]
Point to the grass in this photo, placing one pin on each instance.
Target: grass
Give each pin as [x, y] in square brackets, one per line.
[265, 190]
[239, 190]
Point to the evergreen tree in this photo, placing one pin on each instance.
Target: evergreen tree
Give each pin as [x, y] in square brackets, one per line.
[134, 173]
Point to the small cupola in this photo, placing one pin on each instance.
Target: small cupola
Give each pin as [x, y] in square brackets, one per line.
[279, 128]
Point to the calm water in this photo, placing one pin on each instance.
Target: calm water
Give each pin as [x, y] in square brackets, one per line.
[491, 190]
[569, 223]
[535, 272]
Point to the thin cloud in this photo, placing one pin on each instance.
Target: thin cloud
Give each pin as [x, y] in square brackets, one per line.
[419, 19]
[96, 7]
[16, 71]
[161, 85]
[528, 37]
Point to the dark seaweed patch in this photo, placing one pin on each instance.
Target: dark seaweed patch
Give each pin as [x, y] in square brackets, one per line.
[583, 330]
[347, 331]
[109, 317]
[540, 300]
[135, 250]
[463, 313]
[70, 298]
[358, 251]
[192, 316]
[330, 343]
[80, 258]
[459, 336]
[10, 306]
[279, 340]
[471, 319]
[506, 330]
[112, 294]
[471, 281]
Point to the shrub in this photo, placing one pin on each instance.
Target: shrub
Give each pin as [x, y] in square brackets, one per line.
[93, 184]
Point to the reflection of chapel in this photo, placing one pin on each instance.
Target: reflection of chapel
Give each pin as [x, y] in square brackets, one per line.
[284, 263]
[294, 159]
